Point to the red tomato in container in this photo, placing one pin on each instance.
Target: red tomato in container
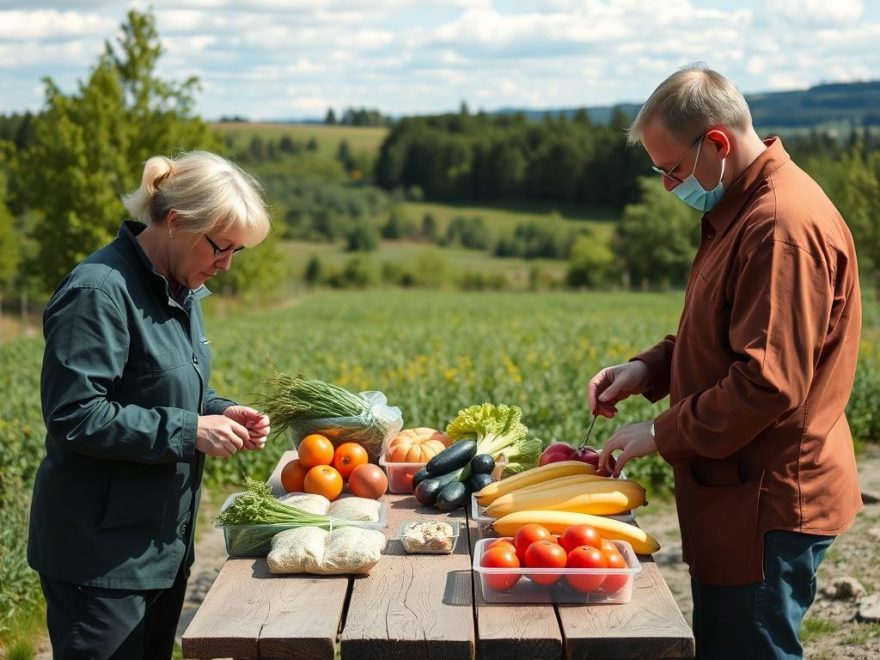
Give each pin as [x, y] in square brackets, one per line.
[577, 535]
[545, 554]
[614, 583]
[528, 534]
[500, 557]
[506, 541]
[586, 556]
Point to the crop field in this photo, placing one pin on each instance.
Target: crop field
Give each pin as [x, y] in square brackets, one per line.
[366, 139]
[431, 353]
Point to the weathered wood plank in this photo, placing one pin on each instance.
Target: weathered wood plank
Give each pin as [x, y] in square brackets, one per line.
[649, 626]
[250, 613]
[412, 606]
[506, 631]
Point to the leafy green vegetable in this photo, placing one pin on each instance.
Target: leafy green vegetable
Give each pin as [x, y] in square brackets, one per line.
[295, 398]
[257, 506]
[497, 430]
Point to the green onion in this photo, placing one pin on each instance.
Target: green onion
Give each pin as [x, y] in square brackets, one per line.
[257, 506]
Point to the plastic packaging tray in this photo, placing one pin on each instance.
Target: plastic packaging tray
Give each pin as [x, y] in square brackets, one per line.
[400, 474]
[484, 522]
[256, 540]
[527, 591]
[428, 551]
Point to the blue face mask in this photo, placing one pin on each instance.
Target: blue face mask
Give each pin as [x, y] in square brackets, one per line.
[694, 195]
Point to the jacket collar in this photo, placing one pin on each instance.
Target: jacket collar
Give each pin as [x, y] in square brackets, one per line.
[128, 231]
[735, 197]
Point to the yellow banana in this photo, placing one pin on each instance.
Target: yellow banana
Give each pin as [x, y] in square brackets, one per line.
[530, 477]
[556, 522]
[560, 482]
[599, 498]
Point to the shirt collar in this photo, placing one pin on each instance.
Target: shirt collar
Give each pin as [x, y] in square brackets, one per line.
[128, 231]
[770, 160]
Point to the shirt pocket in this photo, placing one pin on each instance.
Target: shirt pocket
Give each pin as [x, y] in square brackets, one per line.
[150, 364]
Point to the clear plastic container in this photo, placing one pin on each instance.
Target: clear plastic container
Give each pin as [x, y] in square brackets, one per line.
[256, 540]
[522, 589]
[436, 545]
[484, 522]
[400, 475]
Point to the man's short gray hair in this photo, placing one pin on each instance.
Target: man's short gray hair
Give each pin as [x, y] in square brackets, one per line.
[691, 100]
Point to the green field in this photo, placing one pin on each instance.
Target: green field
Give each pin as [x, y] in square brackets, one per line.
[431, 352]
[360, 139]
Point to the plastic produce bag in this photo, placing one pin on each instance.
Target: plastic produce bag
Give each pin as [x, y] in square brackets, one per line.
[370, 429]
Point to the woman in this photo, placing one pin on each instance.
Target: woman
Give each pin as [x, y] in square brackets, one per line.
[129, 413]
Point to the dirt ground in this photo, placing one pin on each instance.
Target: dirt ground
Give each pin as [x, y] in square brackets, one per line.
[831, 631]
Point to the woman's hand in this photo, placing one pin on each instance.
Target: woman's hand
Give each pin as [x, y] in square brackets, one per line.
[220, 436]
[256, 423]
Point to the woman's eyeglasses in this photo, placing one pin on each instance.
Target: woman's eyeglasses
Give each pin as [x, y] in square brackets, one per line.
[219, 251]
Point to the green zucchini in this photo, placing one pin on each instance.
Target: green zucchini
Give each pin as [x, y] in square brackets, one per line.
[451, 496]
[452, 458]
[428, 490]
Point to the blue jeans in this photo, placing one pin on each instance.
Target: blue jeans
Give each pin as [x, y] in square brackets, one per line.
[761, 620]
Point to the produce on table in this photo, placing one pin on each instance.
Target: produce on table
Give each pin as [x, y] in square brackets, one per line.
[603, 496]
[315, 449]
[449, 479]
[313, 550]
[556, 522]
[323, 480]
[563, 451]
[293, 476]
[348, 456]
[428, 537]
[490, 493]
[607, 572]
[368, 480]
[417, 445]
[257, 506]
[305, 406]
[497, 430]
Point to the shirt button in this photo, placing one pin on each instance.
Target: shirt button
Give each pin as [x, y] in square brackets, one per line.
[184, 528]
[195, 359]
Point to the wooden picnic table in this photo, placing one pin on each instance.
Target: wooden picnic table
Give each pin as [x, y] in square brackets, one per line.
[421, 606]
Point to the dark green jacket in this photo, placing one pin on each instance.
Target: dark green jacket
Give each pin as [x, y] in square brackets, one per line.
[125, 376]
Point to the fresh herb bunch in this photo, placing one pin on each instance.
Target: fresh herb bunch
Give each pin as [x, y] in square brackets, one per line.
[257, 506]
[295, 398]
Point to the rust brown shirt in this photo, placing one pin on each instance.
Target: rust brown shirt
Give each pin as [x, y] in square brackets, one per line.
[760, 371]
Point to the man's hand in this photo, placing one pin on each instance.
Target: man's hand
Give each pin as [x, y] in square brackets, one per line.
[634, 439]
[219, 436]
[256, 423]
[614, 384]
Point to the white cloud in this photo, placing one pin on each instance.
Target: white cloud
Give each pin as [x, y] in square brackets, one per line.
[50, 24]
[816, 12]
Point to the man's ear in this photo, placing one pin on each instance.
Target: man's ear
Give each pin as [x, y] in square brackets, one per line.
[720, 140]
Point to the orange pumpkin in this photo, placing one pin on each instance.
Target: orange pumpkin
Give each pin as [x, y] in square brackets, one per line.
[417, 445]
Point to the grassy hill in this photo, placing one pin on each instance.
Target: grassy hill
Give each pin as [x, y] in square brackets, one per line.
[366, 139]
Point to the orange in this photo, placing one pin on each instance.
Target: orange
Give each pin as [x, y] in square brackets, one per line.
[293, 475]
[315, 449]
[323, 480]
[348, 456]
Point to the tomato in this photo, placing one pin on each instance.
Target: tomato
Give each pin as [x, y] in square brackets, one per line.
[577, 535]
[500, 557]
[586, 556]
[506, 541]
[348, 456]
[293, 475]
[609, 547]
[545, 554]
[368, 480]
[315, 449]
[528, 534]
[614, 583]
[323, 480]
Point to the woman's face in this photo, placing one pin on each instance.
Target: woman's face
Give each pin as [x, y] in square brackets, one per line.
[198, 257]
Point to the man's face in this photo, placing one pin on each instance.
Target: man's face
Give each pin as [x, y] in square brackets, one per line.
[676, 159]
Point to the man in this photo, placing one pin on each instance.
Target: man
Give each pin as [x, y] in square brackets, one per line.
[758, 373]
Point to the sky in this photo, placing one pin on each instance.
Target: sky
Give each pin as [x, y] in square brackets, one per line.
[294, 59]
